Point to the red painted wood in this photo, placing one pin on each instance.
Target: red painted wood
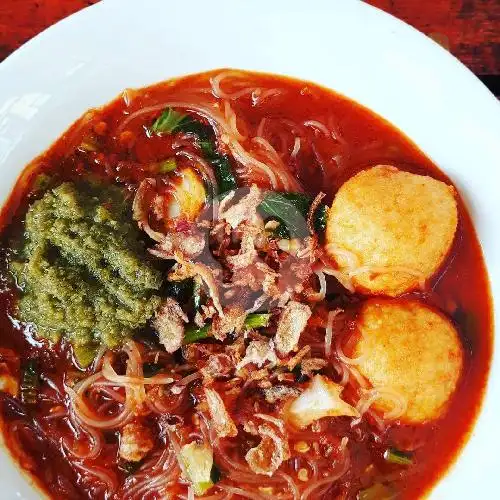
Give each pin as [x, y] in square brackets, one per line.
[21, 20]
[470, 28]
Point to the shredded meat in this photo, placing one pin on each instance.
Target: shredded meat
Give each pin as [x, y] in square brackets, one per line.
[312, 365]
[236, 350]
[232, 321]
[136, 441]
[189, 244]
[218, 365]
[258, 276]
[280, 393]
[272, 451]
[169, 323]
[243, 210]
[186, 269]
[295, 360]
[259, 352]
[222, 422]
[246, 255]
[291, 324]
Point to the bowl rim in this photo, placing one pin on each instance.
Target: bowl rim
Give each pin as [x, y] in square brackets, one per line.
[433, 80]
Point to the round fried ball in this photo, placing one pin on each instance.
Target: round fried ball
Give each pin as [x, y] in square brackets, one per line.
[407, 348]
[389, 231]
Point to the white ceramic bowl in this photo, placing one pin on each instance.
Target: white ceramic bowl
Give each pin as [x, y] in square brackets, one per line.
[346, 45]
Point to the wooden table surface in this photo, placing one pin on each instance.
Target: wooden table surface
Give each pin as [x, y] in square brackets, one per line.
[470, 29]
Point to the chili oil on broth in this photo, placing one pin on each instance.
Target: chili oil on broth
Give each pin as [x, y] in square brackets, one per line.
[279, 110]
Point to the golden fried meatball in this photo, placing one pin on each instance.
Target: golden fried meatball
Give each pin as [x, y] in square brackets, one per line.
[390, 230]
[409, 349]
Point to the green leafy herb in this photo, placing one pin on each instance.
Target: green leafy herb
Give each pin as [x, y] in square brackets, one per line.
[30, 383]
[226, 180]
[169, 122]
[167, 166]
[222, 167]
[195, 334]
[320, 217]
[291, 210]
[204, 133]
[398, 457]
[257, 320]
[215, 474]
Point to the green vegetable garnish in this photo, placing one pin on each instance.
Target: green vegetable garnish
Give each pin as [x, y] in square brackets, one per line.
[216, 474]
[222, 167]
[377, 492]
[195, 334]
[83, 271]
[398, 457]
[29, 383]
[320, 218]
[290, 210]
[257, 320]
[167, 166]
[169, 121]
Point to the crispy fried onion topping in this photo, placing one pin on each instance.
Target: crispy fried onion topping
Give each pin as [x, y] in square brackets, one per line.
[169, 323]
[243, 210]
[259, 352]
[272, 451]
[222, 423]
[186, 269]
[232, 321]
[291, 324]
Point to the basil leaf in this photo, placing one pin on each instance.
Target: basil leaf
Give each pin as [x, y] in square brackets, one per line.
[288, 211]
[223, 173]
[291, 210]
[171, 121]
